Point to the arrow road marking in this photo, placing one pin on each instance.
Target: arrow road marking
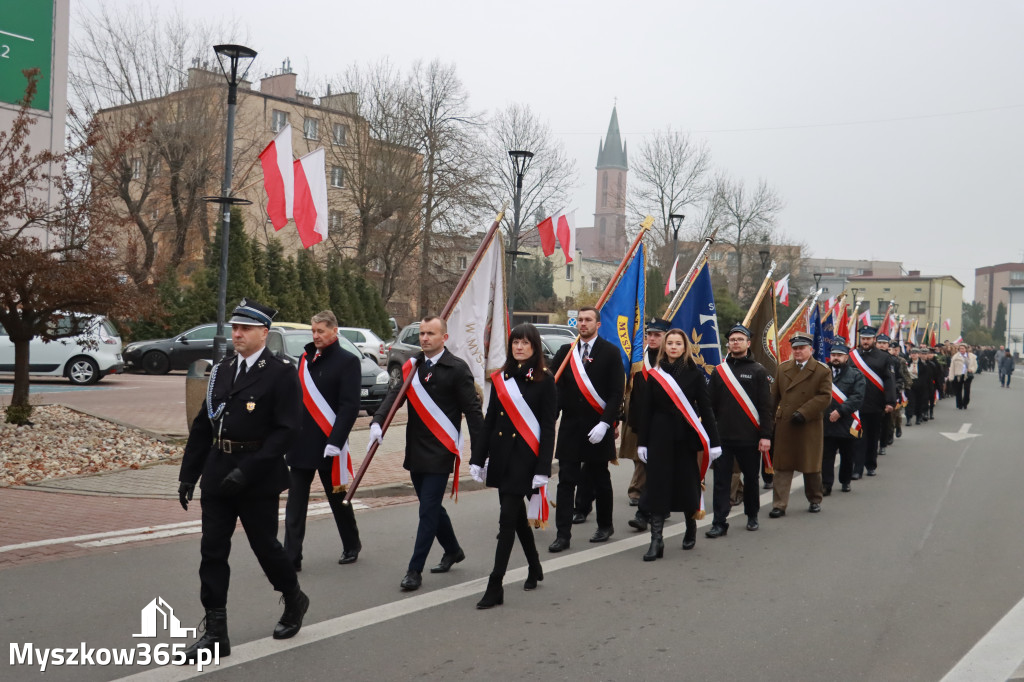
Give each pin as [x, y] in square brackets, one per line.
[961, 434]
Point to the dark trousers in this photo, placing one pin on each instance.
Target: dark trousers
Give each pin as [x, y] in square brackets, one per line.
[592, 473]
[847, 448]
[867, 453]
[258, 515]
[962, 390]
[748, 458]
[434, 521]
[918, 407]
[512, 522]
[584, 503]
[298, 503]
[889, 428]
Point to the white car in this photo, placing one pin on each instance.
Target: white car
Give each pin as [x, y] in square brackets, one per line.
[367, 342]
[83, 359]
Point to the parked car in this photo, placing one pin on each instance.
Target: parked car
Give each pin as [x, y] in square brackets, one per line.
[84, 358]
[557, 329]
[394, 328]
[552, 343]
[401, 349]
[366, 341]
[160, 356]
[289, 343]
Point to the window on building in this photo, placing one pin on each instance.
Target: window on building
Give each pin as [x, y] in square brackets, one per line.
[334, 220]
[136, 168]
[463, 262]
[730, 259]
[860, 271]
[278, 120]
[339, 133]
[1016, 276]
[568, 271]
[845, 271]
[337, 176]
[716, 256]
[593, 284]
[311, 129]
[604, 189]
[916, 308]
[883, 307]
[886, 290]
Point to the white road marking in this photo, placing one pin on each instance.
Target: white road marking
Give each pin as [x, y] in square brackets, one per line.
[997, 654]
[261, 648]
[118, 537]
[961, 434]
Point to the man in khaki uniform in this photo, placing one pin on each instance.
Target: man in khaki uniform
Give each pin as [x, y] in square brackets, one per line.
[801, 392]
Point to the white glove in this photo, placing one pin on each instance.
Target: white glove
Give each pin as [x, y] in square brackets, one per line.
[641, 452]
[539, 482]
[332, 451]
[476, 472]
[714, 453]
[597, 433]
[376, 436]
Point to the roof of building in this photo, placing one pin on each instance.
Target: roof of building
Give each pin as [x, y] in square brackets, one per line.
[1002, 267]
[903, 278]
[611, 153]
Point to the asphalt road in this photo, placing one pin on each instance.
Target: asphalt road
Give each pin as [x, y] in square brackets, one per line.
[897, 580]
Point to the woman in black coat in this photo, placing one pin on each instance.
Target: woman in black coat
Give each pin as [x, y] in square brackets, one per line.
[669, 445]
[516, 449]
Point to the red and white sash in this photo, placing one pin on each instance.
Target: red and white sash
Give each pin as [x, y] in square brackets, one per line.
[671, 387]
[647, 362]
[324, 417]
[583, 381]
[434, 418]
[736, 388]
[866, 371]
[518, 410]
[840, 398]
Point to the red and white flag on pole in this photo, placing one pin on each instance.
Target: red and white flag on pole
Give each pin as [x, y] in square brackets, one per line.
[279, 178]
[311, 198]
[546, 230]
[670, 283]
[946, 323]
[958, 341]
[565, 228]
[782, 290]
[865, 318]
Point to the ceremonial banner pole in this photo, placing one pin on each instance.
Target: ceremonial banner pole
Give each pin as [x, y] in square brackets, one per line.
[793, 316]
[459, 288]
[612, 283]
[677, 300]
[760, 294]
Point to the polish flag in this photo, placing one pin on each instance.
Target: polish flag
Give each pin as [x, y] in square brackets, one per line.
[278, 177]
[311, 198]
[865, 318]
[946, 323]
[565, 228]
[670, 283]
[546, 230]
[782, 290]
[958, 341]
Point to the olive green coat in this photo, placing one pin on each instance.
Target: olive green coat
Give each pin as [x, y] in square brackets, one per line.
[808, 391]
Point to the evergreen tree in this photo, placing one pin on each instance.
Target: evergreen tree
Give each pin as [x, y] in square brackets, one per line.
[339, 290]
[279, 278]
[999, 325]
[312, 285]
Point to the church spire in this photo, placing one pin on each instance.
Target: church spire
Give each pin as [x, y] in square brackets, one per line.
[612, 153]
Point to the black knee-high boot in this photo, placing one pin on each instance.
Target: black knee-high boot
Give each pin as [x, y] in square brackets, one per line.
[690, 537]
[529, 543]
[657, 548]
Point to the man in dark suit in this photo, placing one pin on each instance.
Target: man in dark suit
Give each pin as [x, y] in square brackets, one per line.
[589, 400]
[442, 392]
[330, 378]
[237, 444]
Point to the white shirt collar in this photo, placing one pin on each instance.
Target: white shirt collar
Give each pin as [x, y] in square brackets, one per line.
[437, 356]
[250, 360]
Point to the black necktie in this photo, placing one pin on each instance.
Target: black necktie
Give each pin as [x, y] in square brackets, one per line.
[242, 371]
[586, 351]
[428, 364]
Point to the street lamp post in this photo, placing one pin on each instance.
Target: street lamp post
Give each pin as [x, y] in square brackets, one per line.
[817, 280]
[520, 162]
[675, 220]
[234, 61]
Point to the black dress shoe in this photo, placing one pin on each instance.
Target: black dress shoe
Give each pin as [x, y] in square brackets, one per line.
[899, 431]
[776, 513]
[881, 451]
[412, 581]
[752, 523]
[826, 491]
[602, 534]
[295, 606]
[717, 531]
[634, 501]
[579, 518]
[855, 477]
[871, 472]
[560, 544]
[349, 556]
[297, 565]
[846, 488]
[639, 522]
[447, 561]
[767, 485]
[814, 508]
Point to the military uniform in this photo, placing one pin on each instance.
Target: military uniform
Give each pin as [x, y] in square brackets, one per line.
[873, 414]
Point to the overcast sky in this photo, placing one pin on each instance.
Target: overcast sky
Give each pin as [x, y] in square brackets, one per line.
[892, 130]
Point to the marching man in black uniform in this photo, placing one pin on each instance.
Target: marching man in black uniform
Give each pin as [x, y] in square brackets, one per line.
[330, 377]
[237, 444]
[879, 399]
[842, 419]
[741, 397]
[589, 398]
[442, 392]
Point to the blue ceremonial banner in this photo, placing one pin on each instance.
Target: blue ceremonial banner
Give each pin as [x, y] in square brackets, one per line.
[814, 329]
[622, 316]
[698, 319]
[823, 341]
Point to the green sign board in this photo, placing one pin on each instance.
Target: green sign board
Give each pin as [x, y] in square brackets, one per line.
[26, 42]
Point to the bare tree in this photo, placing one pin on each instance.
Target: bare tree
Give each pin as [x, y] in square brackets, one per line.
[669, 176]
[746, 218]
[130, 72]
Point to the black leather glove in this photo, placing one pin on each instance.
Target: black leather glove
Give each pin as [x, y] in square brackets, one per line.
[797, 418]
[185, 491]
[233, 482]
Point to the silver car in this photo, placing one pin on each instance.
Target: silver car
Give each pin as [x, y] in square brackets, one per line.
[84, 358]
[367, 342]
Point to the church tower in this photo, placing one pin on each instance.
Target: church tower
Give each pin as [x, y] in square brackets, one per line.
[610, 207]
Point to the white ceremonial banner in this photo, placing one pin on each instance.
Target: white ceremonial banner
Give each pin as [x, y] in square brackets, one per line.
[477, 330]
